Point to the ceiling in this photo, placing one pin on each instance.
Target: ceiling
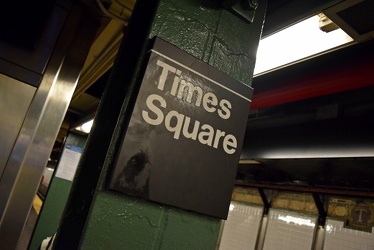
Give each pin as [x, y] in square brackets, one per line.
[301, 116]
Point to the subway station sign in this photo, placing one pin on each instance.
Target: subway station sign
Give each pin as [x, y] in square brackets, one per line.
[184, 138]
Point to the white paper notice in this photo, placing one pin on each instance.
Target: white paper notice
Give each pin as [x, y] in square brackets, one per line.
[69, 162]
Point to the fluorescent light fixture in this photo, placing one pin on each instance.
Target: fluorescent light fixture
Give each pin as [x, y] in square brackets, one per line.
[297, 42]
[85, 127]
[249, 162]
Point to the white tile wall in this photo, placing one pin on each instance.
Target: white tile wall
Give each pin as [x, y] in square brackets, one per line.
[338, 237]
[241, 227]
[288, 230]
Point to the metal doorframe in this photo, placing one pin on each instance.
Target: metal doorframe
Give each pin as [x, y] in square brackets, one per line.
[35, 141]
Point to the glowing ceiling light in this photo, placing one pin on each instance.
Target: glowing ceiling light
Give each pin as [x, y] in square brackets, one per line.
[85, 127]
[298, 42]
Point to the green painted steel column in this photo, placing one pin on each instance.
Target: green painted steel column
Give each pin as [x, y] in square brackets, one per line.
[96, 218]
[54, 201]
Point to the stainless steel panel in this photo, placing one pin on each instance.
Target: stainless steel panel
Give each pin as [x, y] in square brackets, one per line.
[31, 151]
[15, 99]
[20, 73]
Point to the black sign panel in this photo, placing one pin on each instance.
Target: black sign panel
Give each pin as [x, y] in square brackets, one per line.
[185, 135]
